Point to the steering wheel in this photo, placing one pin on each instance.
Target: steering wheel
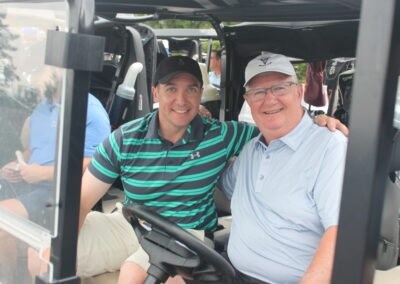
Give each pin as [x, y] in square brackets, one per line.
[173, 250]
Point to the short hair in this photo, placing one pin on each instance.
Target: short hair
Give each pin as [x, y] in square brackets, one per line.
[217, 53]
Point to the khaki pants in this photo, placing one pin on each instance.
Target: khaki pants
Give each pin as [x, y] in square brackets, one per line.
[106, 241]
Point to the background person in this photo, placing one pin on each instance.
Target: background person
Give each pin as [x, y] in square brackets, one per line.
[37, 176]
[216, 68]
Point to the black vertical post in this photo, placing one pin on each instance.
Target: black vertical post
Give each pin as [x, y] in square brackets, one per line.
[371, 119]
[72, 125]
[218, 26]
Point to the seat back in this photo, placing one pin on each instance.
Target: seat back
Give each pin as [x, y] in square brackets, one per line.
[388, 246]
[103, 84]
[210, 98]
[210, 92]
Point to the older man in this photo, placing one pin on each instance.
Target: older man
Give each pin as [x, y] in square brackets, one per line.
[286, 184]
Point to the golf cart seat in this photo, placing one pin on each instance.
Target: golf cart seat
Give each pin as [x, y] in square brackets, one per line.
[210, 98]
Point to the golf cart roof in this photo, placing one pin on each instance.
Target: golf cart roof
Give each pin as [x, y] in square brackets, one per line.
[309, 41]
[235, 10]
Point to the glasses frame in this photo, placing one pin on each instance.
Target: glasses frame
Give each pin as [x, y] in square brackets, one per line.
[250, 93]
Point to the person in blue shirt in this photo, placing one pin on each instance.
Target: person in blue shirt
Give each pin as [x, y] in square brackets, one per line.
[34, 180]
[215, 66]
[285, 186]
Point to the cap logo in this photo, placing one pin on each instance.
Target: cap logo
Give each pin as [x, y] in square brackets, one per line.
[181, 62]
[264, 61]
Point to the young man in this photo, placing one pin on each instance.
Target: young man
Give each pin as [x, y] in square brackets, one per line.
[286, 184]
[169, 160]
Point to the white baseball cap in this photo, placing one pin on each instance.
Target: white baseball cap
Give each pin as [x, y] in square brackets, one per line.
[268, 62]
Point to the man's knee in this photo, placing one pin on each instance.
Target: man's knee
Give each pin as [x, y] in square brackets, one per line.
[131, 273]
[14, 206]
[105, 242]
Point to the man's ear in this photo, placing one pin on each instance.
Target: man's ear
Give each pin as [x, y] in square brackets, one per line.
[246, 99]
[300, 90]
[154, 90]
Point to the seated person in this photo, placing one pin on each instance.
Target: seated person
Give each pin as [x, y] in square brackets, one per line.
[35, 178]
[216, 68]
[285, 186]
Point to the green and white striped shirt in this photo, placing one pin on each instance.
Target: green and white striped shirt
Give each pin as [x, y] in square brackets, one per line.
[176, 180]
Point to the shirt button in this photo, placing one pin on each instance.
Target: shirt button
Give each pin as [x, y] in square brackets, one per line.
[261, 177]
[267, 157]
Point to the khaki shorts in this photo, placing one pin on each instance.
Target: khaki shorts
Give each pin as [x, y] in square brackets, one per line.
[106, 241]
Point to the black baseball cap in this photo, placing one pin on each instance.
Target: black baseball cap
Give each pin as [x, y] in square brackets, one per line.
[174, 65]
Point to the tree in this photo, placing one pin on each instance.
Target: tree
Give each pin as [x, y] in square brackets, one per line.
[11, 115]
[6, 63]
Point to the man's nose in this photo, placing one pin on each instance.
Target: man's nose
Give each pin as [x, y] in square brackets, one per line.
[181, 97]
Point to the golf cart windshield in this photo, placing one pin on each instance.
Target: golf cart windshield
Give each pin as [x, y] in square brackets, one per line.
[31, 103]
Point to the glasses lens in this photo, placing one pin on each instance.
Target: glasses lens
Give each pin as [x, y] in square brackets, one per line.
[281, 90]
[277, 90]
[259, 94]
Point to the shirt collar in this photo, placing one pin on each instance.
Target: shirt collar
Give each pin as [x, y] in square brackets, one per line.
[50, 105]
[195, 130]
[295, 137]
[153, 126]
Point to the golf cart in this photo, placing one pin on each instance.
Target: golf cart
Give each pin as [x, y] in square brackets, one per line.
[60, 46]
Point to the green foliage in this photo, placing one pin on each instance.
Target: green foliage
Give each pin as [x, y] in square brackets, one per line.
[183, 24]
[179, 24]
[13, 111]
[301, 69]
[6, 63]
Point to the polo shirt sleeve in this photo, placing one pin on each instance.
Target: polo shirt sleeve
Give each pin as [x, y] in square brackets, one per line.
[328, 186]
[105, 164]
[227, 182]
[97, 127]
[228, 179]
[237, 135]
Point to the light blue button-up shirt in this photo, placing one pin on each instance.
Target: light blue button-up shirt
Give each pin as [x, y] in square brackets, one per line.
[43, 129]
[284, 197]
[214, 79]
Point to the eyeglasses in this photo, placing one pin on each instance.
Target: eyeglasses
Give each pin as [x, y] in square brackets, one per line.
[278, 90]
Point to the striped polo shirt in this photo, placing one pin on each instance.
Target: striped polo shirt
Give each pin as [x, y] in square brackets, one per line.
[175, 180]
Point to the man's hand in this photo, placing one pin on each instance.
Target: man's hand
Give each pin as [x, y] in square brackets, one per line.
[11, 172]
[331, 123]
[204, 111]
[35, 173]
